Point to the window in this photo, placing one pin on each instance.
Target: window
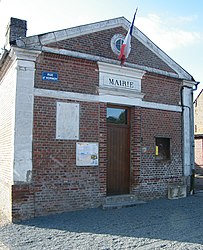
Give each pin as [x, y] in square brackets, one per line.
[116, 43]
[117, 115]
[119, 43]
[162, 149]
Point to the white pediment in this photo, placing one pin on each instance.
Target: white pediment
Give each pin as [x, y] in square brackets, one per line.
[42, 40]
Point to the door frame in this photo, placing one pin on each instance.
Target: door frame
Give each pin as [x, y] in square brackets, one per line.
[128, 126]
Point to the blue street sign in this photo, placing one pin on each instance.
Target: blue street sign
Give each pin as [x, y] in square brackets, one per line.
[50, 76]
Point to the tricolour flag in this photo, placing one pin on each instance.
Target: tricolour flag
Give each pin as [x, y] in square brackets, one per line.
[126, 46]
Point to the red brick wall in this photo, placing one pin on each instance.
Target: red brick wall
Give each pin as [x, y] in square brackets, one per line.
[135, 149]
[23, 205]
[61, 185]
[161, 89]
[98, 44]
[58, 184]
[81, 76]
[75, 75]
[102, 148]
[155, 176]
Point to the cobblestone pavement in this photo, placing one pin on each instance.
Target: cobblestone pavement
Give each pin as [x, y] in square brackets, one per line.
[158, 224]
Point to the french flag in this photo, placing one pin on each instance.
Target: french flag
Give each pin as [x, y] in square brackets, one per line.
[126, 46]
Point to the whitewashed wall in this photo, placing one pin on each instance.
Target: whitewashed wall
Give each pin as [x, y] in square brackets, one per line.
[7, 107]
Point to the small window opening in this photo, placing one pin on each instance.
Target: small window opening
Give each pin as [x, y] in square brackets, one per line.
[119, 43]
[162, 149]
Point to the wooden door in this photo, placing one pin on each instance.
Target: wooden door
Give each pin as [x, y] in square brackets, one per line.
[118, 150]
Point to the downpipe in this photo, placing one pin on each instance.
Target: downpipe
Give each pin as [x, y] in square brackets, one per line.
[191, 118]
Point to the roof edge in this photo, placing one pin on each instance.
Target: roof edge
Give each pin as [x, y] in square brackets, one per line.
[38, 41]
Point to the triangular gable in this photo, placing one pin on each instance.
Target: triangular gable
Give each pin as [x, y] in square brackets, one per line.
[55, 38]
[98, 44]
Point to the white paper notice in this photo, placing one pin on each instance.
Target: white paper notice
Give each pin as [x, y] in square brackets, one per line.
[87, 154]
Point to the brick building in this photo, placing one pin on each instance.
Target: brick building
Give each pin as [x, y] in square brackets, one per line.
[77, 127]
[198, 127]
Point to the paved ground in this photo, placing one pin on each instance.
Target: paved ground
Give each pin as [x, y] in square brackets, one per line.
[158, 224]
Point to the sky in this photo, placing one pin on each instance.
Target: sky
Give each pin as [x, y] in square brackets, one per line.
[176, 26]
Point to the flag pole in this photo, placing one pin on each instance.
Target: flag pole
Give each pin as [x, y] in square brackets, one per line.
[126, 46]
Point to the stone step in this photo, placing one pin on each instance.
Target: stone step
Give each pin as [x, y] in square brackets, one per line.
[119, 201]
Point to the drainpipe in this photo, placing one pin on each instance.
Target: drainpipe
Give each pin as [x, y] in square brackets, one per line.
[188, 133]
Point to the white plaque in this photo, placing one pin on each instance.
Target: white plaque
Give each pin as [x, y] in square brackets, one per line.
[67, 121]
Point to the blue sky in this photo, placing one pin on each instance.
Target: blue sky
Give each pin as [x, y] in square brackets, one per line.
[176, 26]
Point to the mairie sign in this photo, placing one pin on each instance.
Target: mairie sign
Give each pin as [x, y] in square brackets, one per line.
[50, 76]
[120, 82]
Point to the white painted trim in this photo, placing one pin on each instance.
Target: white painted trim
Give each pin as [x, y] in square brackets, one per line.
[123, 92]
[25, 71]
[189, 84]
[57, 36]
[130, 101]
[118, 70]
[161, 106]
[23, 54]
